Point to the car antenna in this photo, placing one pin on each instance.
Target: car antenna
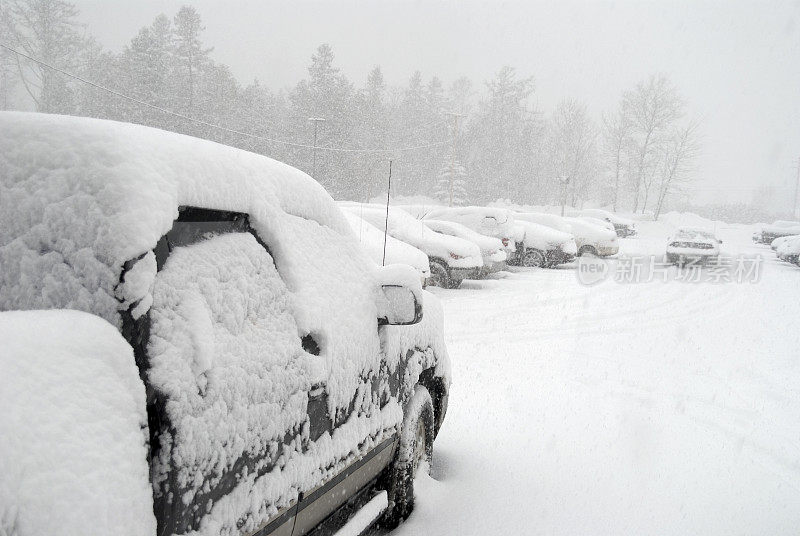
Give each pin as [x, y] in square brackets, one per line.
[386, 221]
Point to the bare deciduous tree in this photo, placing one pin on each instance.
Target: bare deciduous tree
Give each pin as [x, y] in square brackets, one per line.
[651, 109]
[678, 162]
[616, 134]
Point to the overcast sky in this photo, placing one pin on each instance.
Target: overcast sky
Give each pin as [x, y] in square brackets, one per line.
[736, 63]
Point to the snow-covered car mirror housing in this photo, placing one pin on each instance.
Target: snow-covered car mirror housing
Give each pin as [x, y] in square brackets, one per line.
[399, 306]
[400, 298]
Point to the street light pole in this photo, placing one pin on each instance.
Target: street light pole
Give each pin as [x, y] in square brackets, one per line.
[315, 121]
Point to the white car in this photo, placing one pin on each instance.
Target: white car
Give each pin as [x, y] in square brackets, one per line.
[541, 246]
[775, 244]
[396, 251]
[451, 259]
[494, 255]
[592, 239]
[778, 229]
[789, 249]
[489, 221]
[692, 245]
[622, 226]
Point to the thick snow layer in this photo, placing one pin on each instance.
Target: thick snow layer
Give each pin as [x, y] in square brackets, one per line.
[666, 408]
[544, 238]
[491, 247]
[79, 197]
[489, 221]
[73, 460]
[550, 220]
[372, 240]
[405, 227]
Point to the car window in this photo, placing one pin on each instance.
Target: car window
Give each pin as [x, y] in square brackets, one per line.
[226, 358]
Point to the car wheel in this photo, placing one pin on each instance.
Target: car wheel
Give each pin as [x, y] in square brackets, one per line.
[587, 251]
[533, 259]
[439, 276]
[412, 458]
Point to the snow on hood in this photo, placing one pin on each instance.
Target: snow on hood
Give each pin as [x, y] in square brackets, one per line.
[586, 232]
[372, 240]
[488, 244]
[543, 237]
[550, 220]
[71, 464]
[405, 227]
[491, 221]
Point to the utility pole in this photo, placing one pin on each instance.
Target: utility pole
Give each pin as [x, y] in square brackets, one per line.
[565, 182]
[455, 117]
[316, 121]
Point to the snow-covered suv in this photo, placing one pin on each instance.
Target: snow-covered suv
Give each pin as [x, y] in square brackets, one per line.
[282, 374]
[692, 245]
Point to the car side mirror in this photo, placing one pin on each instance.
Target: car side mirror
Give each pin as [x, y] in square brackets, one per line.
[398, 306]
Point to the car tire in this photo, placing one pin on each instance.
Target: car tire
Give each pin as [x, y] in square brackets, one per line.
[534, 259]
[587, 251]
[439, 276]
[413, 455]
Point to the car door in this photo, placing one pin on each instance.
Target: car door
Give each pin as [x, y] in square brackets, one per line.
[228, 381]
[350, 407]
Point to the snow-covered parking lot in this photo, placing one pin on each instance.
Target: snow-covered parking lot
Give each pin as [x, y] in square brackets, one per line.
[643, 408]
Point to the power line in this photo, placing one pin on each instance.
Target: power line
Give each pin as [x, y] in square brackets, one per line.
[212, 125]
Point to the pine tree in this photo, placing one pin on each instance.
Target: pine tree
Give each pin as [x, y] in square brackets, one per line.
[451, 187]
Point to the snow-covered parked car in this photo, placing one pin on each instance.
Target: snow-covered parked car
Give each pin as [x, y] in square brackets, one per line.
[692, 245]
[492, 250]
[541, 246]
[789, 249]
[274, 375]
[778, 242]
[451, 259]
[395, 252]
[590, 238]
[624, 227]
[489, 221]
[779, 228]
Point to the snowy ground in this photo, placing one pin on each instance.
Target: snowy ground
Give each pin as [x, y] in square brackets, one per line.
[649, 408]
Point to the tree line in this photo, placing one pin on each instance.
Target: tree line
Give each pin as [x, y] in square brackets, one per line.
[462, 142]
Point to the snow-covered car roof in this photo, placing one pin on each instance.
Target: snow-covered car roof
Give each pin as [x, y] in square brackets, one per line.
[79, 197]
[488, 244]
[541, 236]
[496, 221]
[605, 214]
[397, 251]
[550, 220]
[410, 230]
[694, 234]
[597, 221]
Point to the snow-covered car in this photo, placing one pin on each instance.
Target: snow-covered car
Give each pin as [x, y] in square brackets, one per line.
[778, 242]
[779, 229]
[590, 238]
[489, 221]
[270, 376]
[789, 249]
[692, 245]
[600, 223]
[623, 226]
[492, 250]
[541, 246]
[395, 252]
[451, 259]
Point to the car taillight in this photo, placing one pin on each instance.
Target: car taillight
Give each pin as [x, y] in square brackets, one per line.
[455, 256]
[505, 242]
